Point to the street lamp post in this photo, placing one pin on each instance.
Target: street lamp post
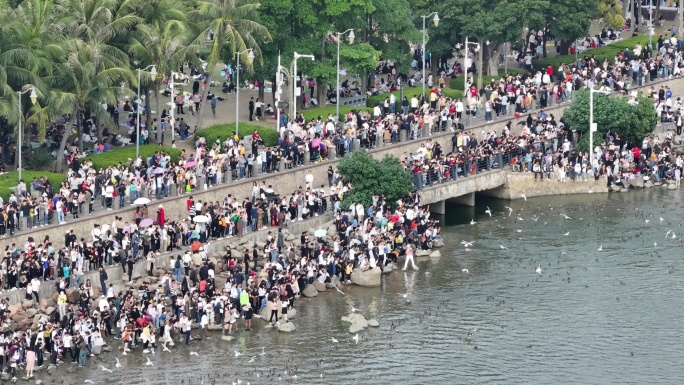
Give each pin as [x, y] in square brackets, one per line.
[337, 84]
[592, 125]
[294, 81]
[153, 75]
[650, 26]
[172, 110]
[465, 65]
[34, 97]
[436, 21]
[250, 57]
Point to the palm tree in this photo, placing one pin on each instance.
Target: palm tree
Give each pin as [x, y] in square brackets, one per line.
[88, 78]
[96, 20]
[233, 25]
[34, 26]
[165, 45]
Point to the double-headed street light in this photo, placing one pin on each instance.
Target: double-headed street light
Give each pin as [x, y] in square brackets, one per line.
[172, 104]
[153, 75]
[436, 21]
[250, 57]
[294, 80]
[34, 98]
[337, 97]
[465, 64]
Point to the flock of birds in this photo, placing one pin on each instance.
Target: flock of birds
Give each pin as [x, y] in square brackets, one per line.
[588, 217]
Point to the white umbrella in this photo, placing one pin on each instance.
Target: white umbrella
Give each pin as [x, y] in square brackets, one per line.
[320, 233]
[141, 201]
[200, 219]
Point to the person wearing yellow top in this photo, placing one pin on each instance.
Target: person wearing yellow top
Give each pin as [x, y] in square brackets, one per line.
[61, 303]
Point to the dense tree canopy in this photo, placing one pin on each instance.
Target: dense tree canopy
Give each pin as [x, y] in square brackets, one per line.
[81, 53]
[368, 176]
[612, 113]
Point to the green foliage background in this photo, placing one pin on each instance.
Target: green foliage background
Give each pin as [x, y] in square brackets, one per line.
[368, 177]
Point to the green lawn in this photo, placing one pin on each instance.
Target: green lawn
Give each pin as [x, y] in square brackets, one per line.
[123, 154]
[221, 131]
[11, 179]
[606, 52]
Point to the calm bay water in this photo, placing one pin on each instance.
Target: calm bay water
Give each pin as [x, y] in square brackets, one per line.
[608, 317]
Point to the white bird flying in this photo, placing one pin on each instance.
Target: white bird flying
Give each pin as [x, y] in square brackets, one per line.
[510, 210]
[237, 354]
[600, 248]
[165, 349]
[488, 211]
[194, 354]
[647, 220]
[465, 271]
[88, 382]
[667, 235]
[252, 359]
[523, 196]
[263, 351]
[118, 364]
[335, 340]
[148, 363]
[565, 216]
[105, 369]
[662, 219]
[356, 338]
[472, 221]
[539, 269]
[353, 309]
[503, 247]
[566, 234]
[467, 244]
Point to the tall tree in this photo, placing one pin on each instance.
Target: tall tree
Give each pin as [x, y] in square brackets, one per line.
[88, 78]
[233, 25]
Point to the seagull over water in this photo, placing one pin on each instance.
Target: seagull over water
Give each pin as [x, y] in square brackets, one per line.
[472, 221]
[523, 196]
[566, 234]
[539, 269]
[488, 211]
[510, 210]
[503, 247]
[118, 364]
[105, 369]
[467, 244]
[465, 271]
[356, 338]
[600, 248]
[148, 363]
[565, 216]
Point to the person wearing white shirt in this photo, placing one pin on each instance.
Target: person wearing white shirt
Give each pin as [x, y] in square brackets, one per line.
[309, 179]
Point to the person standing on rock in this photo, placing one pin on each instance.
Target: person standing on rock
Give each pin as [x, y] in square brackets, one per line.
[103, 280]
[409, 257]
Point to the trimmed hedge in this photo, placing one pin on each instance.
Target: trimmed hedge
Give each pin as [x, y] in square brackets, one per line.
[374, 100]
[11, 179]
[222, 131]
[457, 83]
[323, 112]
[123, 154]
[606, 52]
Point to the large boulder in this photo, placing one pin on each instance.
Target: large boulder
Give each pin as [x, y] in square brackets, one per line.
[648, 184]
[373, 323]
[358, 322]
[671, 186]
[291, 313]
[310, 291]
[14, 309]
[31, 312]
[73, 296]
[421, 253]
[320, 286]
[435, 254]
[334, 281]
[439, 242]
[368, 278]
[286, 327]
